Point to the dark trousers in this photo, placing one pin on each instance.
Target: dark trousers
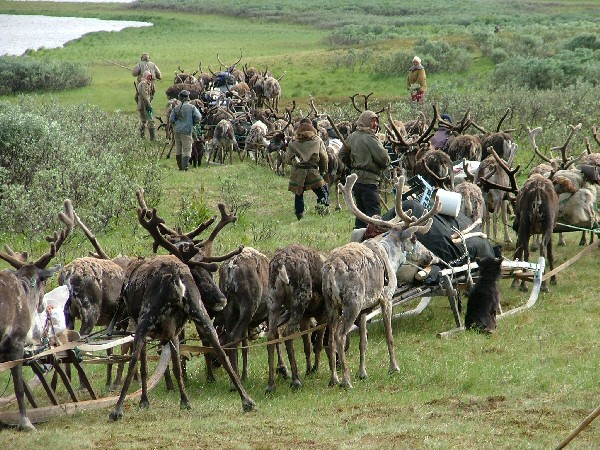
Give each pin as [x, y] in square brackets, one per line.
[322, 198]
[366, 197]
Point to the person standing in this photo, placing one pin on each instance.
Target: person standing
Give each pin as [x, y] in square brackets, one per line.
[184, 117]
[417, 80]
[144, 104]
[145, 65]
[307, 155]
[368, 159]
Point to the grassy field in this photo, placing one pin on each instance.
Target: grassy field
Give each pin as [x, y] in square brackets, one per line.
[527, 386]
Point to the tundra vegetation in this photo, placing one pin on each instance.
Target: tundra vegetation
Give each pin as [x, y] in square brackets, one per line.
[527, 386]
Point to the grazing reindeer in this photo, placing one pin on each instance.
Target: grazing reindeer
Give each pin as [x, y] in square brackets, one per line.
[360, 277]
[536, 211]
[21, 298]
[295, 285]
[161, 296]
[484, 298]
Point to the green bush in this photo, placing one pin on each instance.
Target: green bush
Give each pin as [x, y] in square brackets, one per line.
[20, 74]
[564, 69]
[584, 40]
[49, 152]
[439, 56]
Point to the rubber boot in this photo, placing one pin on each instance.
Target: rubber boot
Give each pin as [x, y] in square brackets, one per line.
[185, 162]
[178, 158]
[152, 134]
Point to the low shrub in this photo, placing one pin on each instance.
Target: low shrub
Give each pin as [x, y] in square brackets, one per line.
[49, 152]
[20, 74]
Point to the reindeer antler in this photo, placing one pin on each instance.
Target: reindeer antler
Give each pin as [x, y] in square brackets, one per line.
[407, 224]
[18, 260]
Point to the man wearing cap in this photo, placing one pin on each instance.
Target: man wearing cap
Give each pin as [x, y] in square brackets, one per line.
[145, 65]
[368, 159]
[417, 80]
[307, 155]
[184, 117]
[144, 103]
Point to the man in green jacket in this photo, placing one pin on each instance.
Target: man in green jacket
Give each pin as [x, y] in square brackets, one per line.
[368, 159]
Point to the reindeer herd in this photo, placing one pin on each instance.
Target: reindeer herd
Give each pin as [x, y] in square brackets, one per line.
[299, 287]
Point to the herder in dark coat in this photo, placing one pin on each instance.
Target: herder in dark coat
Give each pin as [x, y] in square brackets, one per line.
[308, 158]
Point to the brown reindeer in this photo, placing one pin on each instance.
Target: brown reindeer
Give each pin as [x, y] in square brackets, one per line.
[295, 285]
[359, 277]
[21, 298]
[161, 296]
[496, 179]
[244, 281]
[536, 211]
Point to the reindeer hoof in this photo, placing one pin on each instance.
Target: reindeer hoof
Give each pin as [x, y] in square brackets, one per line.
[185, 405]
[282, 371]
[115, 415]
[333, 382]
[270, 389]
[362, 376]
[296, 384]
[248, 405]
[523, 288]
[25, 425]
[144, 404]
[346, 384]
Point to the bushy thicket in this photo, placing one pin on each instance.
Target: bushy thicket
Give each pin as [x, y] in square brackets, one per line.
[541, 61]
[49, 152]
[437, 56]
[20, 74]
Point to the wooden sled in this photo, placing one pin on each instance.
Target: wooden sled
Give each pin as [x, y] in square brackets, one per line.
[55, 357]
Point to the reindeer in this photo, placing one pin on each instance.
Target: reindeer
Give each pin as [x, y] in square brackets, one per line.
[272, 91]
[576, 202]
[244, 281]
[359, 277]
[496, 179]
[21, 298]
[295, 285]
[223, 142]
[161, 296]
[536, 211]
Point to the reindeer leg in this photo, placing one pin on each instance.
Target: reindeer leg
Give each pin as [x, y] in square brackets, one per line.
[561, 240]
[386, 310]
[362, 326]
[144, 402]
[504, 207]
[184, 402]
[138, 342]
[17, 374]
[305, 325]
[291, 327]
[331, 351]
[349, 315]
[318, 348]
[204, 323]
[245, 344]
[273, 333]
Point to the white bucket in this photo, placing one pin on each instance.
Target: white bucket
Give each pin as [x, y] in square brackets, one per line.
[450, 202]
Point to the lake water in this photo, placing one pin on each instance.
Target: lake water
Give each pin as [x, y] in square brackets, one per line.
[20, 33]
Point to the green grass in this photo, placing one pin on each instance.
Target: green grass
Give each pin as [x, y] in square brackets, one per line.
[527, 386]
